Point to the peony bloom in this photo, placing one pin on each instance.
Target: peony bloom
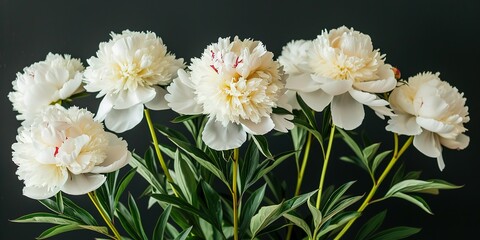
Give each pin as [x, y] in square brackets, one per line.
[237, 84]
[129, 72]
[433, 112]
[66, 150]
[46, 82]
[294, 59]
[346, 72]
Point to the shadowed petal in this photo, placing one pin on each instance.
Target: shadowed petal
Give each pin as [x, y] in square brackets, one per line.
[83, 183]
[220, 137]
[124, 119]
[347, 113]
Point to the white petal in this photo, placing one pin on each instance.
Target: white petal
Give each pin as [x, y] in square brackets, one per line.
[283, 122]
[461, 142]
[158, 102]
[428, 144]
[128, 98]
[334, 87]
[70, 87]
[431, 106]
[264, 126]
[317, 100]
[40, 192]
[347, 113]
[83, 183]
[220, 137]
[302, 82]
[124, 119]
[404, 124]
[368, 98]
[104, 108]
[117, 155]
[181, 96]
[377, 86]
[433, 125]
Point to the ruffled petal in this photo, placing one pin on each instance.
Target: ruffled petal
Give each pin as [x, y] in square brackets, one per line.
[317, 100]
[347, 113]
[377, 86]
[367, 98]
[264, 126]
[283, 122]
[302, 82]
[461, 142]
[181, 95]
[220, 137]
[117, 155]
[83, 183]
[158, 102]
[37, 192]
[124, 119]
[70, 87]
[403, 124]
[128, 98]
[433, 125]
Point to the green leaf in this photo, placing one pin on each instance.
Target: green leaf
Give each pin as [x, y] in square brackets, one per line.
[417, 200]
[170, 132]
[307, 111]
[378, 159]
[41, 217]
[352, 144]
[184, 118]
[59, 200]
[159, 230]
[338, 221]
[185, 177]
[184, 234]
[127, 178]
[262, 145]
[372, 225]
[53, 231]
[248, 166]
[182, 204]
[250, 207]
[370, 151]
[336, 196]
[299, 222]
[149, 176]
[137, 219]
[127, 221]
[414, 185]
[316, 215]
[268, 214]
[279, 159]
[201, 157]
[396, 233]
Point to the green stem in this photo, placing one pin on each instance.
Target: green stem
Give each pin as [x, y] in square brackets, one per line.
[300, 177]
[157, 148]
[234, 193]
[325, 164]
[396, 155]
[104, 215]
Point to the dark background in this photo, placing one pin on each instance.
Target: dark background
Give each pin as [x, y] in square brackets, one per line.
[416, 36]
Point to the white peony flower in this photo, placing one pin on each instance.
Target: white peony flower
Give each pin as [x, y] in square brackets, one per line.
[66, 150]
[46, 82]
[128, 73]
[237, 84]
[433, 112]
[347, 73]
[294, 59]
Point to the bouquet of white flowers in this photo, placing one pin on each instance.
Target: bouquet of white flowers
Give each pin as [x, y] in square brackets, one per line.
[214, 177]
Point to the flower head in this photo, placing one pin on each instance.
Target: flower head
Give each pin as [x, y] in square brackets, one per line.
[433, 112]
[346, 72]
[237, 84]
[128, 73]
[66, 150]
[46, 82]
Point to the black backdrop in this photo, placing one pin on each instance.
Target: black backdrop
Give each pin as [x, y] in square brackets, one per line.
[427, 35]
